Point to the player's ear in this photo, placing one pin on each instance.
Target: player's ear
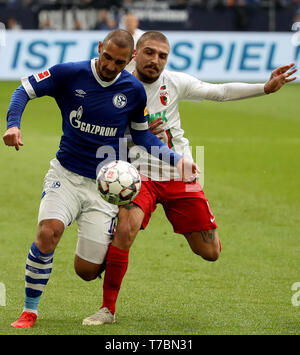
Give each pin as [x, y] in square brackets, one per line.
[133, 54]
[99, 46]
[131, 57]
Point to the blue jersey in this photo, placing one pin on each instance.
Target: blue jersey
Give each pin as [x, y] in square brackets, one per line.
[94, 113]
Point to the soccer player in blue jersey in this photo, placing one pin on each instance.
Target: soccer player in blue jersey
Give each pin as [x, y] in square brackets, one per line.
[97, 100]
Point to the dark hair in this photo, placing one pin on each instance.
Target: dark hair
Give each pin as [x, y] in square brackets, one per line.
[152, 35]
[120, 38]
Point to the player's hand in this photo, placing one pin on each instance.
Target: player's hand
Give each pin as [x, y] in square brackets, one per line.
[12, 137]
[155, 127]
[279, 77]
[188, 170]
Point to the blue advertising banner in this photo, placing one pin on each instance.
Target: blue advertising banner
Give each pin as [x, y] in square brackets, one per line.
[210, 56]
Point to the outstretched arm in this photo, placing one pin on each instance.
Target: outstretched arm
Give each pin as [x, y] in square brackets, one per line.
[279, 77]
[199, 90]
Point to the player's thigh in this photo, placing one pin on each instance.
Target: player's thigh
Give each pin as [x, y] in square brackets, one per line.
[59, 207]
[130, 219]
[59, 199]
[96, 223]
[136, 216]
[95, 233]
[193, 217]
[205, 243]
[190, 214]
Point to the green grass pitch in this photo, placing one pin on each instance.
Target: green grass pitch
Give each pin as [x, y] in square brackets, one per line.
[252, 180]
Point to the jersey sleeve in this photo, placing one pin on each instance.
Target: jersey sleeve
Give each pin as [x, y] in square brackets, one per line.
[138, 119]
[16, 107]
[46, 83]
[191, 88]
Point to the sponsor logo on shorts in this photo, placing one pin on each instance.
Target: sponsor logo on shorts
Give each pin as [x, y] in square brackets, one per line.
[55, 185]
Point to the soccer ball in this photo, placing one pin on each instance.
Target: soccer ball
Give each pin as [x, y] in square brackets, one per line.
[118, 182]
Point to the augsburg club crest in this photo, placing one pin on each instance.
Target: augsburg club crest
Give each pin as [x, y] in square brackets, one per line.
[164, 95]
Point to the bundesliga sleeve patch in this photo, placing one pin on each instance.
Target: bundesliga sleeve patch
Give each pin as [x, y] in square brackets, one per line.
[43, 75]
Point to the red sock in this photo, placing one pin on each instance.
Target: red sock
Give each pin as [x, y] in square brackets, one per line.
[116, 267]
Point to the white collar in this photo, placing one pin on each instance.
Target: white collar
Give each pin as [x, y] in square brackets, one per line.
[101, 82]
[158, 83]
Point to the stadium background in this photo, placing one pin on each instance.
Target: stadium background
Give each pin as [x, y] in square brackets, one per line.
[217, 40]
[251, 171]
[183, 15]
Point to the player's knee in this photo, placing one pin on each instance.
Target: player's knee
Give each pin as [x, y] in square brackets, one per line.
[86, 275]
[86, 270]
[125, 235]
[205, 243]
[129, 224]
[48, 236]
[210, 253]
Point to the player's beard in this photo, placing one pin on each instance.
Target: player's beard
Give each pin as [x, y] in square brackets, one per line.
[147, 78]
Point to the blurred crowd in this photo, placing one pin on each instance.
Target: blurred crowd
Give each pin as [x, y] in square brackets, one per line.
[147, 3]
[110, 14]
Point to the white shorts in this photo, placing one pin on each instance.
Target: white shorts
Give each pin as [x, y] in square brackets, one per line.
[70, 197]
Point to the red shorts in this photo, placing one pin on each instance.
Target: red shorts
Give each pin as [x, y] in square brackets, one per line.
[185, 205]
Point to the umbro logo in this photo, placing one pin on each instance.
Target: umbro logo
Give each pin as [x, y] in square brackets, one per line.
[80, 93]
